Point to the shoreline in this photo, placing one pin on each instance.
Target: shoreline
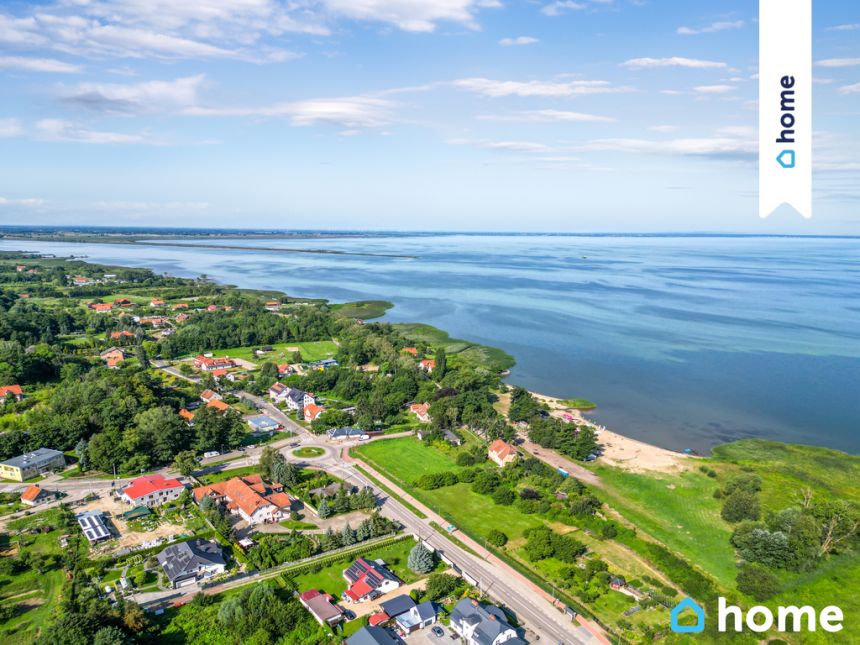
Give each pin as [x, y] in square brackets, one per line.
[620, 451]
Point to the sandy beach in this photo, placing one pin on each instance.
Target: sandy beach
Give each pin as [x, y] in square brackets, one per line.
[618, 450]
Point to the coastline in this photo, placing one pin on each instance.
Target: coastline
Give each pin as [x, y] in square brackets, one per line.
[620, 451]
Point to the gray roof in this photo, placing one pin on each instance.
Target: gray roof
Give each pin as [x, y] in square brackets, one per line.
[181, 560]
[92, 524]
[371, 636]
[296, 395]
[397, 605]
[37, 458]
[345, 432]
[426, 610]
[262, 422]
[490, 621]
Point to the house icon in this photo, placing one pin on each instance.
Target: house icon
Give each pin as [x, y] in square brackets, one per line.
[687, 603]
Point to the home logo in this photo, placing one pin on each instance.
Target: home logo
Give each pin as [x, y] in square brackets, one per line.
[680, 608]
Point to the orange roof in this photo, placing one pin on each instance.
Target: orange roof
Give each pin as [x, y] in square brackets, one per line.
[121, 334]
[281, 500]
[420, 409]
[379, 617]
[6, 390]
[218, 405]
[428, 363]
[155, 302]
[99, 306]
[212, 308]
[180, 305]
[313, 410]
[410, 350]
[31, 494]
[238, 491]
[502, 449]
[219, 373]
[207, 394]
[188, 415]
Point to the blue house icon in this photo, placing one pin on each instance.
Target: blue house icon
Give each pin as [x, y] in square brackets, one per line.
[688, 603]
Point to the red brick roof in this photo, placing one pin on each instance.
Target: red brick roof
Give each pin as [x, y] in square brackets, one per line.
[6, 390]
[502, 449]
[312, 411]
[239, 492]
[379, 617]
[150, 484]
[428, 364]
[410, 350]
[218, 405]
[188, 415]
[31, 494]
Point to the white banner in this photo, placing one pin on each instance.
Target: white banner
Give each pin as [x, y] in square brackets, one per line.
[785, 106]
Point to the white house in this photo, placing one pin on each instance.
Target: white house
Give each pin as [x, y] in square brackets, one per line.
[479, 624]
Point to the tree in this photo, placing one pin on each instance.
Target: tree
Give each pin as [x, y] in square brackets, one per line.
[110, 635]
[142, 357]
[504, 496]
[497, 538]
[441, 585]
[756, 581]
[268, 459]
[740, 505]
[324, 510]
[83, 453]
[421, 559]
[285, 473]
[441, 366]
[185, 462]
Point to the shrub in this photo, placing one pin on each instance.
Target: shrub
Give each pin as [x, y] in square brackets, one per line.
[497, 538]
[740, 505]
[756, 581]
[504, 496]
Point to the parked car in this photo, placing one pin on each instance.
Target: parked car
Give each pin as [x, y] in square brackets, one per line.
[438, 631]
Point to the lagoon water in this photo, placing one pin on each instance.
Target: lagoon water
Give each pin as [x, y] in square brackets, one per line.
[681, 341]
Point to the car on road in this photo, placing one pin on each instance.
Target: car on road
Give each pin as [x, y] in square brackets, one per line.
[438, 632]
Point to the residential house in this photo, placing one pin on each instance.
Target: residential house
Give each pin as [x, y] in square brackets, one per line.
[422, 411]
[20, 267]
[156, 302]
[251, 498]
[501, 453]
[182, 317]
[179, 305]
[219, 405]
[312, 412]
[273, 305]
[479, 624]
[35, 495]
[11, 392]
[211, 363]
[371, 635]
[152, 490]
[293, 398]
[155, 321]
[113, 356]
[82, 282]
[322, 606]
[347, 433]
[189, 562]
[393, 607]
[418, 617]
[120, 335]
[188, 415]
[261, 423]
[212, 308]
[410, 350]
[123, 302]
[368, 579]
[285, 369]
[324, 364]
[428, 365]
[210, 395]
[93, 525]
[31, 464]
[101, 307]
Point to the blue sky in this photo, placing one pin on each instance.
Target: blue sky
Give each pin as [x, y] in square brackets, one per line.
[571, 115]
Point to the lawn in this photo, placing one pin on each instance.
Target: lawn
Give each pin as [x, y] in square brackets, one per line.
[308, 451]
[330, 578]
[492, 358]
[405, 459]
[310, 351]
[224, 475]
[679, 510]
[363, 309]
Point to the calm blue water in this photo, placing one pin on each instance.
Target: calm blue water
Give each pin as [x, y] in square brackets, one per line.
[683, 342]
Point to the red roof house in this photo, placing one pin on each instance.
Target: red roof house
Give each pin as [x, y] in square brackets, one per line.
[14, 391]
[152, 490]
[501, 452]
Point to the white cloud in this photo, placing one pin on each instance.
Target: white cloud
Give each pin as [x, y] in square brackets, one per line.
[518, 41]
[839, 62]
[714, 89]
[411, 15]
[49, 65]
[504, 146]
[10, 128]
[62, 130]
[712, 28]
[850, 89]
[27, 201]
[673, 61]
[850, 27]
[494, 88]
[663, 128]
[562, 6]
[149, 96]
[163, 29]
[737, 143]
[140, 206]
[353, 112]
[548, 116]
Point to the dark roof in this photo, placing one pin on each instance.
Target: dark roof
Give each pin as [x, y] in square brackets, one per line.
[38, 458]
[397, 605]
[371, 636]
[490, 621]
[181, 560]
[296, 395]
[376, 572]
[346, 432]
[426, 610]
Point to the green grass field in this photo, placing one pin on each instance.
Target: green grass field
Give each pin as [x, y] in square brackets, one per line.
[224, 475]
[405, 459]
[311, 351]
[363, 309]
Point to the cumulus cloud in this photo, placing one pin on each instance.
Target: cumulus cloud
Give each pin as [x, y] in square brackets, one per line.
[562, 6]
[548, 116]
[518, 41]
[495, 88]
[673, 61]
[62, 130]
[49, 65]
[354, 112]
[714, 89]
[711, 28]
[727, 143]
[10, 128]
[839, 62]
[136, 98]
[411, 15]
